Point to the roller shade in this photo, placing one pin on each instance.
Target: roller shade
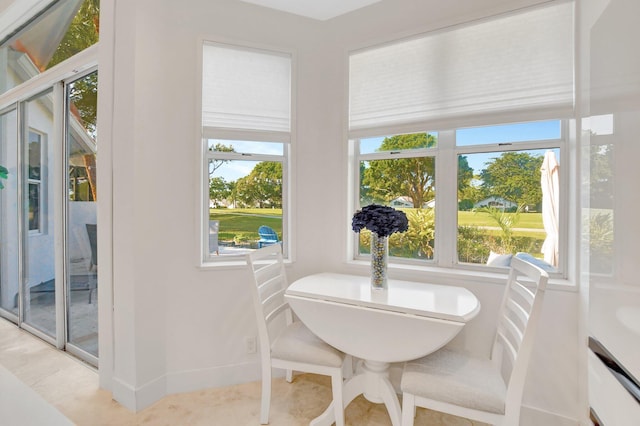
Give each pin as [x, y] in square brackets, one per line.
[513, 62]
[245, 89]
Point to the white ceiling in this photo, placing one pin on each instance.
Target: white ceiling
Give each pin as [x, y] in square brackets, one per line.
[316, 9]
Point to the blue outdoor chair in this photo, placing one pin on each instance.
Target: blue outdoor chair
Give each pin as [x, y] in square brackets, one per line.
[267, 236]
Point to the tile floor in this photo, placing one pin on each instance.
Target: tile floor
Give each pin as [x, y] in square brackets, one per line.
[72, 388]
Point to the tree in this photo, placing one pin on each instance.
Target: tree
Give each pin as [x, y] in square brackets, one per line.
[514, 176]
[263, 186]
[465, 174]
[409, 177]
[83, 96]
[218, 190]
[215, 164]
[82, 32]
[601, 177]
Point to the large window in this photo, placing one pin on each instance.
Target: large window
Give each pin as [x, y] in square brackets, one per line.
[246, 127]
[486, 183]
[464, 130]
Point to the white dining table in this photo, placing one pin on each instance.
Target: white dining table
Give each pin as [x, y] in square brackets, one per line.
[406, 321]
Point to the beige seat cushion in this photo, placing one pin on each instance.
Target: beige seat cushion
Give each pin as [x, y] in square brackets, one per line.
[456, 378]
[298, 343]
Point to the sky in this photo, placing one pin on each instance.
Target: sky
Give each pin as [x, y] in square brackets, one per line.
[543, 130]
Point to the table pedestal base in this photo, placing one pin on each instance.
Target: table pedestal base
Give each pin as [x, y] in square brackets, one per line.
[376, 387]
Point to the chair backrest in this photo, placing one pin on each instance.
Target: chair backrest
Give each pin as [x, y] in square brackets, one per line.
[270, 281]
[517, 323]
[268, 233]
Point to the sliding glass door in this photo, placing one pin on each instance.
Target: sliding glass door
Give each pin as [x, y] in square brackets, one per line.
[9, 229]
[48, 215]
[81, 223]
[38, 209]
[48, 196]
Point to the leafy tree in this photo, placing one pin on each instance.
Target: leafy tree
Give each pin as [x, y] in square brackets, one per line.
[233, 193]
[366, 196]
[514, 176]
[410, 177]
[465, 174]
[263, 186]
[218, 190]
[601, 176]
[82, 32]
[215, 164]
[83, 95]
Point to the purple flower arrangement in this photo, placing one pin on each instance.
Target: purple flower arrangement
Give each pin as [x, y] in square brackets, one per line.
[381, 220]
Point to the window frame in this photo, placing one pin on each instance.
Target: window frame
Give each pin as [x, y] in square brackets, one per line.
[244, 135]
[208, 258]
[445, 154]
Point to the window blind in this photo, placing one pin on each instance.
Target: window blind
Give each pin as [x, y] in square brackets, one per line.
[512, 62]
[245, 89]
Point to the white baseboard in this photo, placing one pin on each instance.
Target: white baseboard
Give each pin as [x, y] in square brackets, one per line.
[217, 377]
[530, 416]
[140, 398]
[183, 381]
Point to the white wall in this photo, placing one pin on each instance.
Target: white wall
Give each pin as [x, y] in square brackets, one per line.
[179, 328]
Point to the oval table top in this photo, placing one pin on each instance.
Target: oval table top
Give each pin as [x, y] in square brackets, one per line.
[423, 299]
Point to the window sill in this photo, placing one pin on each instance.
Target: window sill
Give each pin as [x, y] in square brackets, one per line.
[451, 276]
[231, 264]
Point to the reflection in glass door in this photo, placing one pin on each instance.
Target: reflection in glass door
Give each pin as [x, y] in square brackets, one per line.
[9, 228]
[82, 261]
[39, 271]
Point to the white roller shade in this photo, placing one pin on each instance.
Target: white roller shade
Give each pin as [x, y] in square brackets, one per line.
[512, 62]
[245, 89]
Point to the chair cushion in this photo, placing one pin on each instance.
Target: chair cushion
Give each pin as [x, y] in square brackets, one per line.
[298, 343]
[456, 378]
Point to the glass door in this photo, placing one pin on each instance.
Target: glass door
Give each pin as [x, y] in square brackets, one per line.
[81, 224]
[38, 212]
[9, 228]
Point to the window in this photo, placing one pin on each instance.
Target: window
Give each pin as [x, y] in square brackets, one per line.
[246, 127]
[455, 129]
[496, 198]
[64, 28]
[35, 181]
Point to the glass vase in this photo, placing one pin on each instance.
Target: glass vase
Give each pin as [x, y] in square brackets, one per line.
[379, 255]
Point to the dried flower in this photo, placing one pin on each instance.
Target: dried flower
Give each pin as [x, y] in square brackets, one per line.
[382, 220]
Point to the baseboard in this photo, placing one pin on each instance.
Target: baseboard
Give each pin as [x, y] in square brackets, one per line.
[216, 377]
[140, 398]
[530, 416]
[183, 381]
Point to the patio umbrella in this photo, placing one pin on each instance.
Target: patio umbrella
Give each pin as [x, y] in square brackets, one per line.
[550, 204]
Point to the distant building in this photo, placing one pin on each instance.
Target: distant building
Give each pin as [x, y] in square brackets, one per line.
[496, 202]
[406, 202]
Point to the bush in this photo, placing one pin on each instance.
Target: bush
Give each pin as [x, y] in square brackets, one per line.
[473, 245]
[465, 205]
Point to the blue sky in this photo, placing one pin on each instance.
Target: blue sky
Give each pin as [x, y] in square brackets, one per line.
[488, 135]
[543, 130]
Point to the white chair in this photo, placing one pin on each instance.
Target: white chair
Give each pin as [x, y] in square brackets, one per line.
[285, 343]
[486, 390]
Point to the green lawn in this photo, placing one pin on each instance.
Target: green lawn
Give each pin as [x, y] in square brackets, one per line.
[531, 221]
[244, 223]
